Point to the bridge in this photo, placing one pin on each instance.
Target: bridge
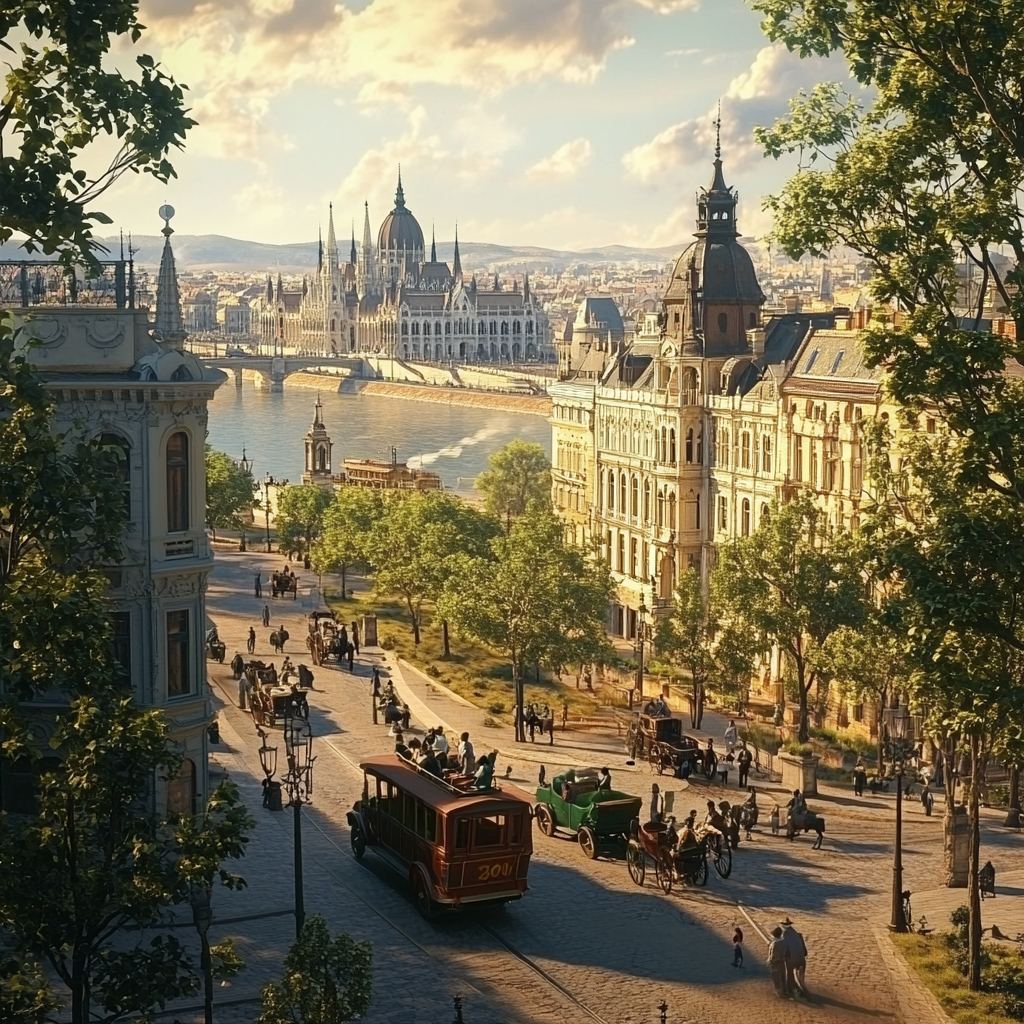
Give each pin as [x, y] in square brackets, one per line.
[272, 370]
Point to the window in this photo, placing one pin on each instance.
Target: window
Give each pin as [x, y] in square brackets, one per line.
[181, 790]
[179, 678]
[700, 447]
[634, 498]
[647, 501]
[798, 458]
[672, 446]
[622, 493]
[611, 491]
[765, 514]
[672, 510]
[490, 831]
[810, 362]
[462, 833]
[177, 483]
[745, 517]
[121, 643]
[766, 453]
[745, 449]
[723, 450]
[689, 444]
[814, 464]
[634, 558]
[752, 321]
[838, 359]
[723, 512]
[661, 508]
[622, 552]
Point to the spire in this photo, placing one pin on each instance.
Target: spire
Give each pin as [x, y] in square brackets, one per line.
[399, 194]
[352, 254]
[366, 255]
[332, 242]
[718, 133]
[433, 246]
[270, 289]
[168, 327]
[318, 413]
[497, 282]
[716, 205]
[718, 182]
[457, 262]
[319, 248]
[280, 286]
[526, 288]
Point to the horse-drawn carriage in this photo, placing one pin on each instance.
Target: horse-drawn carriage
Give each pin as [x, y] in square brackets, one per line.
[661, 741]
[573, 802]
[215, 647]
[323, 640]
[676, 860]
[282, 583]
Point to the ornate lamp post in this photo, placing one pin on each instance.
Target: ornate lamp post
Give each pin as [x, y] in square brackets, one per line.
[245, 465]
[201, 915]
[268, 482]
[900, 730]
[641, 631]
[298, 740]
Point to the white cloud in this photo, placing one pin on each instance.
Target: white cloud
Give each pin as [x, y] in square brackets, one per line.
[564, 163]
[756, 97]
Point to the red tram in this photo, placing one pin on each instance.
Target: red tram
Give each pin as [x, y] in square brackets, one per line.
[455, 846]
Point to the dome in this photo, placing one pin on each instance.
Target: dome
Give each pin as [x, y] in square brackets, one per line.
[400, 229]
[724, 269]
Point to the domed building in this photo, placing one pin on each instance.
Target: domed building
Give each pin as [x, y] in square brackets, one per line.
[399, 241]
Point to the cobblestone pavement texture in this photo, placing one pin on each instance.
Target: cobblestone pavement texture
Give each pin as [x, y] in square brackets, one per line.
[584, 934]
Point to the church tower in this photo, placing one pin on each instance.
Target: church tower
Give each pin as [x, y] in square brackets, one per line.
[318, 451]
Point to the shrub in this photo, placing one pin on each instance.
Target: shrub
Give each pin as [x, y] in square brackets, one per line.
[797, 749]
[491, 723]
[434, 671]
[387, 642]
[497, 708]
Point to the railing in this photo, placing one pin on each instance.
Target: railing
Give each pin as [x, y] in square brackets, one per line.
[26, 283]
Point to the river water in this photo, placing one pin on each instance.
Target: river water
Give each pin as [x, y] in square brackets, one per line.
[451, 440]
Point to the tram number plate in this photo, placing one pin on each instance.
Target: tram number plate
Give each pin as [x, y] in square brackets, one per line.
[493, 872]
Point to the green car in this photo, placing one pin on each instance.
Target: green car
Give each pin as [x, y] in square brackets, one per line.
[572, 801]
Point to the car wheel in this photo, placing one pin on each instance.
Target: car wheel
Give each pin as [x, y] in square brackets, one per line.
[358, 840]
[546, 820]
[424, 901]
[588, 842]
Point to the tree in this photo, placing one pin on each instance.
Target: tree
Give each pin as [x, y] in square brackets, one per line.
[792, 585]
[230, 496]
[345, 534]
[62, 108]
[89, 860]
[414, 544]
[326, 981]
[300, 515]
[701, 638]
[534, 598]
[518, 474]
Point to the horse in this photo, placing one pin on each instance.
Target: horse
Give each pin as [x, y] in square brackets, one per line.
[542, 722]
[806, 822]
[278, 639]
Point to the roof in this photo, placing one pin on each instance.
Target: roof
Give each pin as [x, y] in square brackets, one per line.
[595, 310]
[833, 355]
[400, 229]
[725, 272]
[437, 794]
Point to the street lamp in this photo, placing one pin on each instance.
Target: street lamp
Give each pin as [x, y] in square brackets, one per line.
[201, 914]
[298, 780]
[268, 482]
[641, 629]
[245, 465]
[897, 724]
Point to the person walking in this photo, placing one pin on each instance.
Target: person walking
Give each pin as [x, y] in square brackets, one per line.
[731, 736]
[250, 643]
[237, 665]
[737, 947]
[467, 757]
[355, 638]
[860, 777]
[266, 616]
[777, 962]
[744, 759]
[258, 586]
[375, 683]
[351, 654]
[796, 958]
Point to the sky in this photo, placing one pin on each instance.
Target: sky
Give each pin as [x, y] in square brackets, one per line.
[557, 123]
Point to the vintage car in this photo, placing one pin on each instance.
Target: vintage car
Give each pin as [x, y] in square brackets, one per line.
[573, 802]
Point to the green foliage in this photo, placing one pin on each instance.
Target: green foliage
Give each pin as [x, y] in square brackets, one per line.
[25, 996]
[517, 475]
[65, 108]
[792, 583]
[229, 493]
[345, 533]
[326, 981]
[300, 516]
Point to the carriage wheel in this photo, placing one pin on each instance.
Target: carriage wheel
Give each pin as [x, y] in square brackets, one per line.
[663, 871]
[545, 820]
[636, 863]
[722, 858]
[588, 842]
[358, 840]
[701, 876]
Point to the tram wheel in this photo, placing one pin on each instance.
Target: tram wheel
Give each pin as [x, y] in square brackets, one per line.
[358, 840]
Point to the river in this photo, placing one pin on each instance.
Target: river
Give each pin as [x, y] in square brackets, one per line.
[454, 441]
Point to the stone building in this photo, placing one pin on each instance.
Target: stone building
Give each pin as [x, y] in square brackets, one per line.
[128, 382]
[318, 446]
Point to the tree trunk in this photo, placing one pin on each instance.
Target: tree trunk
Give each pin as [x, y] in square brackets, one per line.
[444, 633]
[803, 732]
[880, 756]
[517, 683]
[1013, 812]
[973, 893]
[344, 591]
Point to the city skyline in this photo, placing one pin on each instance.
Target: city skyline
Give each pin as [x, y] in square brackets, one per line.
[303, 104]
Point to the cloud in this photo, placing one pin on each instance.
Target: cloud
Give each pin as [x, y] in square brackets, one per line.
[756, 97]
[563, 163]
[237, 55]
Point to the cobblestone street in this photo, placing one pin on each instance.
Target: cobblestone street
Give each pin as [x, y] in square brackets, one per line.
[585, 942]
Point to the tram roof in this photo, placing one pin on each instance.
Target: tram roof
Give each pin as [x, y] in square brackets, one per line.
[437, 794]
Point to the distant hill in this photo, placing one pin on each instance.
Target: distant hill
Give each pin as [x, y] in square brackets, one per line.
[218, 252]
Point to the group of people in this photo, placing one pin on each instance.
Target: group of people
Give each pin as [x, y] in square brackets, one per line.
[459, 767]
[787, 959]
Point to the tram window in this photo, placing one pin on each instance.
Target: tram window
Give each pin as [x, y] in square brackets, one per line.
[515, 829]
[409, 811]
[462, 833]
[426, 823]
[490, 831]
[386, 796]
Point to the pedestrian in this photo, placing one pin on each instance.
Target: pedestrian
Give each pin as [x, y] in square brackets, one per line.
[258, 586]
[774, 819]
[244, 688]
[266, 616]
[305, 563]
[355, 637]
[927, 800]
[604, 780]
[467, 757]
[250, 644]
[375, 683]
[351, 655]
[796, 958]
[441, 747]
[777, 962]
[237, 665]
[744, 759]
[710, 759]
[860, 777]
[731, 736]
[406, 715]
[657, 804]
[737, 947]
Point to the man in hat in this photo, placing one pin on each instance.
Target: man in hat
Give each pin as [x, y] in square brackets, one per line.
[796, 958]
[777, 962]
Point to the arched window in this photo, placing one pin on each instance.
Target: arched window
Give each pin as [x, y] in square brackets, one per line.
[700, 447]
[622, 552]
[745, 518]
[622, 493]
[723, 450]
[494, 327]
[663, 447]
[766, 453]
[661, 508]
[333, 328]
[698, 511]
[634, 558]
[814, 464]
[672, 510]
[611, 490]
[672, 446]
[177, 483]
[689, 444]
[437, 328]
[416, 329]
[447, 327]
[647, 501]
[634, 498]
[405, 329]
[745, 450]
[504, 327]
[517, 327]
[765, 514]
[181, 790]
[483, 327]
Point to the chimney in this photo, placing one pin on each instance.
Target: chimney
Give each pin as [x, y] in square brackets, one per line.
[755, 339]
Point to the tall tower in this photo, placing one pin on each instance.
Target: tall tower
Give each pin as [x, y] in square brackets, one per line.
[366, 269]
[169, 327]
[318, 451]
